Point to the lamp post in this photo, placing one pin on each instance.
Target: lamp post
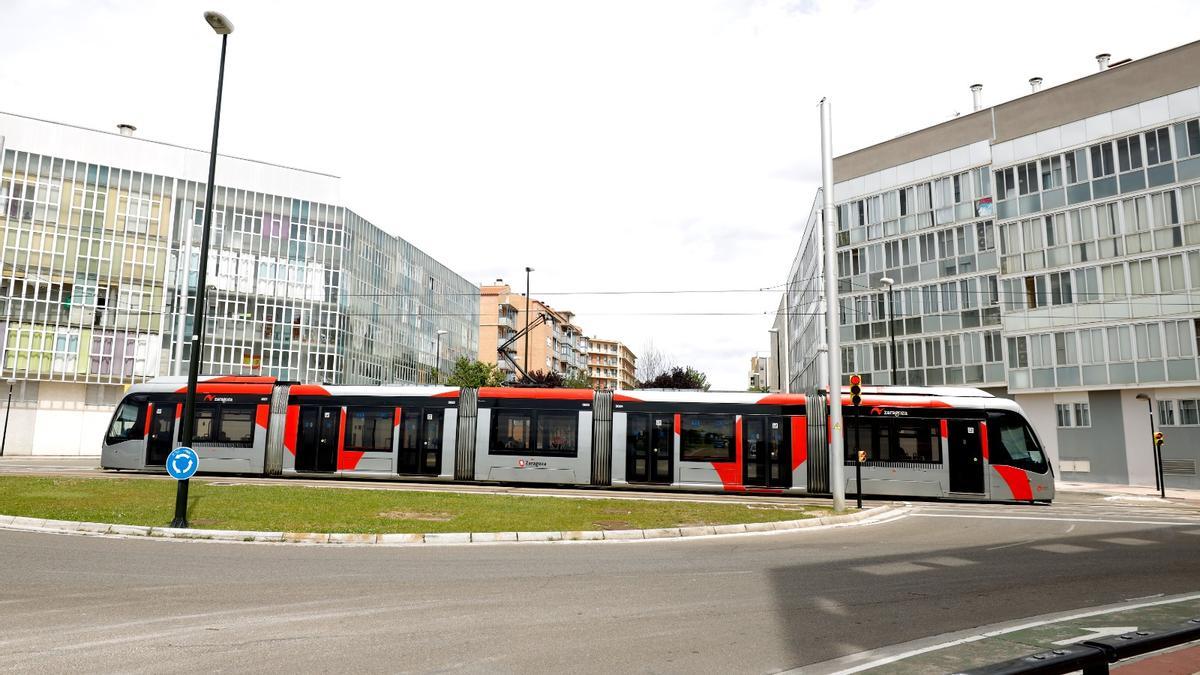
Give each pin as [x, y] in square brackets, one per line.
[1159, 481]
[891, 283]
[778, 356]
[437, 358]
[7, 410]
[222, 27]
[526, 338]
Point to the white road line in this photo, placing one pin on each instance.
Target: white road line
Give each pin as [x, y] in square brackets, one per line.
[1058, 520]
[1003, 631]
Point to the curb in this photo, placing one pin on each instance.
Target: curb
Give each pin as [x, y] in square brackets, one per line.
[22, 524]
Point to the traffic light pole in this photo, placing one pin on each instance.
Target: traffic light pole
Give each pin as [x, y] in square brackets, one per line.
[859, 455]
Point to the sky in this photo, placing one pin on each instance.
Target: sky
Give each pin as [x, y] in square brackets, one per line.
[612, 145]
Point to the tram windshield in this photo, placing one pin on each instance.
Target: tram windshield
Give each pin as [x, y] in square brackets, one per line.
[1011, 443]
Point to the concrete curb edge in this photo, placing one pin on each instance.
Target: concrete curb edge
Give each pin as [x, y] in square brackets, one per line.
[23, 524]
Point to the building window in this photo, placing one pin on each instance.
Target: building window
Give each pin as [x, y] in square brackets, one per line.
[1189, 412]
[1051, 173]
[1083, 414]
[1158, 146]
[1076, 165]
[1102, 160]
[1166, 413]
[706, 438]
[1063, 413]
[1129, 153]
[1027, 178]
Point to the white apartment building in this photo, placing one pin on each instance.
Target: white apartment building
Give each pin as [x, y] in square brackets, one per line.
[1045, 249]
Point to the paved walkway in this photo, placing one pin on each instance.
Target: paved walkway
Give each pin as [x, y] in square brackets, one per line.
[1131, 491]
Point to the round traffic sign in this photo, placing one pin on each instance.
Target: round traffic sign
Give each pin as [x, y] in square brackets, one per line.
[182, 463]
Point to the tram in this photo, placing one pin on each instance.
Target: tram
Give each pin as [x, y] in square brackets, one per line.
[932, 442]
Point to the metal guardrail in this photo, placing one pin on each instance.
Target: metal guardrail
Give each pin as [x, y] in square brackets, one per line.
[1093, 656]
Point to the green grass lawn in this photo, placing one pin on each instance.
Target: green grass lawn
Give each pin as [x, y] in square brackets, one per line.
[319, 509]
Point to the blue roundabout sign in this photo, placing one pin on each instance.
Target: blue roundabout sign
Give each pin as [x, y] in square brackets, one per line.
[182, 463]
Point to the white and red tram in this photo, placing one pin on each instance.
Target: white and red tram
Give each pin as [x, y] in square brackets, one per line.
[947, 442]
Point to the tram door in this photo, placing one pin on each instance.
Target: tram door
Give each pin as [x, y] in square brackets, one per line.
[421, 441]
[162, 434]
[766, 461]
[317, 440]
[649, 448]
[965, 457]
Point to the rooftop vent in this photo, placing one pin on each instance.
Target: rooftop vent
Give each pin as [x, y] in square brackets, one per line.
[126, 129]
[1102, 60]
[977, 95]
[1035, 83]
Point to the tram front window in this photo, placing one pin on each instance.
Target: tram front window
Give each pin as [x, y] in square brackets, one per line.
[1012, 443]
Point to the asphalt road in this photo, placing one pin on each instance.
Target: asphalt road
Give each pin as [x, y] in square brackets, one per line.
[757, 603]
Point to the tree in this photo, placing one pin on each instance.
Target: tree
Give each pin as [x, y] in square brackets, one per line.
[470, 373]
[759, 390]
[578, 379]
[679, 378]
[539, 378]
[652, 362]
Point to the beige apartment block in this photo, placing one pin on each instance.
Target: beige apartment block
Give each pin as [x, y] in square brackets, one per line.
[760, 367]
[555, 345]
[611, 364]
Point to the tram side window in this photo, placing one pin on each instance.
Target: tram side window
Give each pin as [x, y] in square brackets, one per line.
[511, 430]
[369, 429]
[202, 432]
[706, 438]
[228, 426]
[237, 426]
[546, 433]
[637, 433]
[410, 430]
[1011, 443]
[556, 432]
[127, 424]
[888, 439]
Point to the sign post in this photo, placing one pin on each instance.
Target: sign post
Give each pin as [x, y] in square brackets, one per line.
[181, 465]
[855, 402]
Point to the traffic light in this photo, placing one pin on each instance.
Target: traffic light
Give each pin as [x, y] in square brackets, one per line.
[855, 390]
[1159, 438]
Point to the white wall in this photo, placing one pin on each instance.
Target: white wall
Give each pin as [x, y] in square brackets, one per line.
[58, 424]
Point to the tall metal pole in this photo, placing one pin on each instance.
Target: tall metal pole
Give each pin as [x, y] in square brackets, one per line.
[892, 327]
[7, 410]
[837, 455]
[778, 362]
[1159, 479]
[189, 400]
[526, 338]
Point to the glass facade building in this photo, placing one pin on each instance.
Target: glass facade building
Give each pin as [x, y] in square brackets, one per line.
[98, 271]
[1045, 249]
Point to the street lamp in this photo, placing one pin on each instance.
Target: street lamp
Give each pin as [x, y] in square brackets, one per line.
[778, 361]
[891, 283]
[223, 27]
[527, 271]
[7, 410]
[437, 358]
[1159, 481]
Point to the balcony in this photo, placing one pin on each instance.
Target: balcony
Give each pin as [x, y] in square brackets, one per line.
[508, 320]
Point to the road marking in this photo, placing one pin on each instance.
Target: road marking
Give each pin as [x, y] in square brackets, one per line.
[1056, 520]
[947, 561]
[1004, 630]
[1062, 548]
[889, 569]
[1016, 543]
[1097, 632]
[1128, 541]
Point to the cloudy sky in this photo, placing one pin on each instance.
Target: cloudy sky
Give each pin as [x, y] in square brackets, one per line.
[612, 145]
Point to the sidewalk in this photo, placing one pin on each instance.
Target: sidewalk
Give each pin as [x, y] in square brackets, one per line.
[1142, 491]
